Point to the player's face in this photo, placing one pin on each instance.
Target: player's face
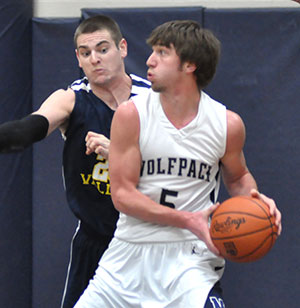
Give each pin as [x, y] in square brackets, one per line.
[99, 57]
[165, 69]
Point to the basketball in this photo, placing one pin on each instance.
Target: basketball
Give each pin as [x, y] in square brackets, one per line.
[243, 229]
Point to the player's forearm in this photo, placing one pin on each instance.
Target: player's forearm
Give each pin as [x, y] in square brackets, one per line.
[17, 135]
[136, 204]
[242, 185]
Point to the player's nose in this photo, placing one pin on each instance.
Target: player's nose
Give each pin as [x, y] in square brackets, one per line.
[151, 60]
[95, 58]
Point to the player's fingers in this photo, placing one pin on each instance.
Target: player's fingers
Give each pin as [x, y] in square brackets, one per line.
[89, 141]
[273, 211]
[270, 202]
[265, 199]
[210, 245]
[102, 151]
[278, 221]
[90, 146]
[88, 135]
[88, 151]
[254, 193]
[99, 150]
[272, 206]
[211, 209]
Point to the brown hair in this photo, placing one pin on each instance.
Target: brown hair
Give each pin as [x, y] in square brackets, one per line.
[192, 44]
[96, 23]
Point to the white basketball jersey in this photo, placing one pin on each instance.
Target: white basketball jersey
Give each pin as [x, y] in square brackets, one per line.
[180, 167]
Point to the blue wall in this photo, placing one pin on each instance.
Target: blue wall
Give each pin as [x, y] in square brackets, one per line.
[54, 66]
[16, 169]
[258, 77]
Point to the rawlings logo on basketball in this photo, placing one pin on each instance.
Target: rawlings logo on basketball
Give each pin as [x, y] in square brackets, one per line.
[242, 229]
[226, 225]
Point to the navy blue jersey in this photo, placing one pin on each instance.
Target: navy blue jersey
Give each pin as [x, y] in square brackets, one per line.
[86, 176]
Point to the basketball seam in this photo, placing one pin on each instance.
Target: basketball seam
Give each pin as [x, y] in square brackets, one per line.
[242, 213]
[240, 235]
[257, 248]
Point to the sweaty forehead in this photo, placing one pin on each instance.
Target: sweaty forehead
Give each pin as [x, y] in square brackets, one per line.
[89, 40]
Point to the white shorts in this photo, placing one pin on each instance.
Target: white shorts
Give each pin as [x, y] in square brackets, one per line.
[153, 275]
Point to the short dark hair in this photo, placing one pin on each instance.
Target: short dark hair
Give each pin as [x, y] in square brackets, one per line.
[96, 23]
[192, 44]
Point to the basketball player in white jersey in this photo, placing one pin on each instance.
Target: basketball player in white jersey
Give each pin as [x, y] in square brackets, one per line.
[168, 150]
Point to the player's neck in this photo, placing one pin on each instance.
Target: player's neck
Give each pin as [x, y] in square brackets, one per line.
[180, 108]
[115, 91]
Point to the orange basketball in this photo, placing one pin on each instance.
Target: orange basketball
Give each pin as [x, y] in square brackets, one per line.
[242, 229]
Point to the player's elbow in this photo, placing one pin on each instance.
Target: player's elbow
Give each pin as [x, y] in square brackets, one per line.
[119, 197]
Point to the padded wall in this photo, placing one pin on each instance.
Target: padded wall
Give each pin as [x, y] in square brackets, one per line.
[259, 77]
[54, 67]
[16, 169]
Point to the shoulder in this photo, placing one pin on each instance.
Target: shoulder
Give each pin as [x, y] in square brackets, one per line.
[236, 132]
[60, 98]
[125, 121]
[63, 98]
[126, 110]
[234, 122]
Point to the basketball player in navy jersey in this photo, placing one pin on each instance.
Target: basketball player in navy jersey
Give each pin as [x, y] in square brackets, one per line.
[167, 149]
[84, 113]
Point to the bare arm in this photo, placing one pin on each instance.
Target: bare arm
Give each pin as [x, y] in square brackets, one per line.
[54, 112]
[57, 109]
[124, 170]
[236, 176]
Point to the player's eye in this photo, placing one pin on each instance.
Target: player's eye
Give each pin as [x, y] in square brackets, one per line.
[103, 50]
[162, 51]
[85, 53]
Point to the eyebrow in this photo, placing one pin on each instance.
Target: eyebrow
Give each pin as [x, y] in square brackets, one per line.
[97, 45]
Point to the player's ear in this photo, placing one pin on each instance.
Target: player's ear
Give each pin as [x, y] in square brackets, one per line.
[123, 47]
[78, 59]
[189, 67]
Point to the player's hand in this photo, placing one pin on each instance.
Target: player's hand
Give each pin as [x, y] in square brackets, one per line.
[97, 143]
[297, 1]
[198, 224]
[272, 205]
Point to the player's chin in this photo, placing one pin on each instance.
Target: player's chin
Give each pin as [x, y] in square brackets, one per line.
[157, 88]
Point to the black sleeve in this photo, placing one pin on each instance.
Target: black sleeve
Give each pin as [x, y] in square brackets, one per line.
[17, 135]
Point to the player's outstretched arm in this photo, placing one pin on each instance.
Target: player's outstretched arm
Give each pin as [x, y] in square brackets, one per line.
[19, 134]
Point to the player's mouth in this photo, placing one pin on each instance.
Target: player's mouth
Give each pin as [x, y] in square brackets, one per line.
[99, 70]
[150, 76]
